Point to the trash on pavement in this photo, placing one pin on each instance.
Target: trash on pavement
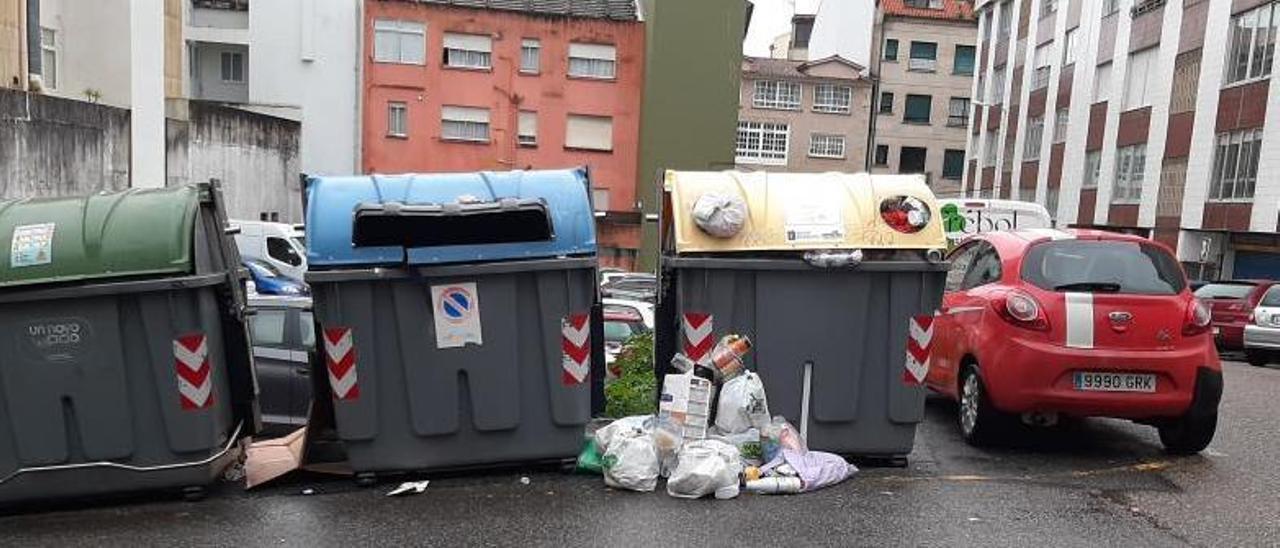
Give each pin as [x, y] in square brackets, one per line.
[686, 402]
[742, 405]
[410, 488]
[726, 357]
[590, 461]
[748, 444]
[779, 434]
[777, 485]
[814, 469]
[682, 363]
[266, 460]
[605, 434]
[631, 462]
[720, 215]
[706, 467]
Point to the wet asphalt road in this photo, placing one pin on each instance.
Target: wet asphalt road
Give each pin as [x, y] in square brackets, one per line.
[1092, 483]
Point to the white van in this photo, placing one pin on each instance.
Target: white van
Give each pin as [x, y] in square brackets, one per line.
[279, 244]
[965, 217]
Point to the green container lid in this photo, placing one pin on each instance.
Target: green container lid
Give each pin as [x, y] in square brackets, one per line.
[122, 234]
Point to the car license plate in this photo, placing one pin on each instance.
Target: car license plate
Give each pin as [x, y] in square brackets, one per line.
[1115, 382]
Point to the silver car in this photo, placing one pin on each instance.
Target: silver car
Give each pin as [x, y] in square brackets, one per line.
[1262, 334]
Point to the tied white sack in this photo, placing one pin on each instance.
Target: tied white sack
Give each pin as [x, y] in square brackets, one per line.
[743, 405]
[720, 215]
[631, 461]
[706, 467]
[605, 434]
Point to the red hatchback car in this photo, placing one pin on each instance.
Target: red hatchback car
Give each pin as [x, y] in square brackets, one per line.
[1232, 303]
[1045, 323]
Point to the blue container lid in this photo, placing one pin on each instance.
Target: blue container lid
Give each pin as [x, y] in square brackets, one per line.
[332, 203]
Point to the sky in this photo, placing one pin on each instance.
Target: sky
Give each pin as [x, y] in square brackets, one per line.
[771, 18]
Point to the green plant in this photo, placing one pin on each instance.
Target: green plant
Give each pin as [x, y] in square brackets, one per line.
[632, 393]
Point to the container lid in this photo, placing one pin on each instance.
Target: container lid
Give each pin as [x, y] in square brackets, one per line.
[122, 234]
[801, 211]
[448, 218]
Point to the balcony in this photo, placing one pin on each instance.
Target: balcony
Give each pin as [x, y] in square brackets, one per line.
[219, 14]
[922, 65]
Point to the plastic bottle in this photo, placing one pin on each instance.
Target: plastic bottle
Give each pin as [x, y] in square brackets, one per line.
[775, 486]
[727, 355]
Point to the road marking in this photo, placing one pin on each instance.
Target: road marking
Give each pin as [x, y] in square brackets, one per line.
[1144, 467]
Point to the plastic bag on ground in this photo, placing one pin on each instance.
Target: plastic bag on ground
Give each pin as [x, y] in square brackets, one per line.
[748, 444]
[631, 461]
[606, 433]
[706, 467]
[720, 215]
[815, 469]
[590, 461]
[743, 405]
[779, 435]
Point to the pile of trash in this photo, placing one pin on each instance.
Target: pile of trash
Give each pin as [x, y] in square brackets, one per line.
[709, 446]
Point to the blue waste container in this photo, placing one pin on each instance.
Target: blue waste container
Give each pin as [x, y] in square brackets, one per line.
[456, 314]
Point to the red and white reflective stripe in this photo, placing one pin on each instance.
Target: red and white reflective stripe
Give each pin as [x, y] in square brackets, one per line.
[575, 335]
[697, 328]
[195, 379]
[919, 348]
[1079, 320]
[340, 359]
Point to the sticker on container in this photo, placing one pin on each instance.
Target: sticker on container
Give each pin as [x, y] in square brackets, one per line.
[195, 379]
[813, 219]
[575, 332]
[919, 348]
[340, 359]
[457, 315]
[32, 245]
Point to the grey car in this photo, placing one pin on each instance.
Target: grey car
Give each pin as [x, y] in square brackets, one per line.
[1262, 333]
[283, 333]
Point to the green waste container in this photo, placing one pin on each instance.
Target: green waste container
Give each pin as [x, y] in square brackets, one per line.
[124, 360]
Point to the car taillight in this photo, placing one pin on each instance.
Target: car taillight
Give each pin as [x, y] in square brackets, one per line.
[905, 214]
[1197, 318]
[1022, 310]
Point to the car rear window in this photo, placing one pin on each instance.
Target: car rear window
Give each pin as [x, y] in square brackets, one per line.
[1224, 291]
[1102, 266]
[616, 331]
[1272, 298]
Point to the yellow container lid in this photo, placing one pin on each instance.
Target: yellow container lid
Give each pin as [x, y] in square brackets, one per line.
[801, 211]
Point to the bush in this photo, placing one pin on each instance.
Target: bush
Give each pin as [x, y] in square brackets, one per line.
[633, 392]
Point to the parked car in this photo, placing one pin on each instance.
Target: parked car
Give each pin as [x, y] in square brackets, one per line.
[1262, 334]
[279, 244]
[269, 281]
[636, 287]
[283, 335]
[1047, 323]
[610, 273]
[1232, 305]
[644, 309]
[620, 324]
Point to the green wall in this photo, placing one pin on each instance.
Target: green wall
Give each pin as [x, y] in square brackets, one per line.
[693, 66]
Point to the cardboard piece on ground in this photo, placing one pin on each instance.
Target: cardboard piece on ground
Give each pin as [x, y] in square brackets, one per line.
[269, 459]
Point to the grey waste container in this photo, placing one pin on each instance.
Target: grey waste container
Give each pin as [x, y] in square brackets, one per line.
[124, 363]
[456, 315]
[832, 328]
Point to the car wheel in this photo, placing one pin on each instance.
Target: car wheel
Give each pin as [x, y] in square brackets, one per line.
[1256, 358]
[978, 419]
[1188, 435]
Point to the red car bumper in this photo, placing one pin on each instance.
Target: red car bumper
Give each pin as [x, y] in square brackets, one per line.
[1230, 335]
[1029, 376]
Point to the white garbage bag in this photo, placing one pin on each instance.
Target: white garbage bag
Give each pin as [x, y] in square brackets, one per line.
[720, 215]
[631, 462]
[743, 405]
[706, 467]
[605, 434]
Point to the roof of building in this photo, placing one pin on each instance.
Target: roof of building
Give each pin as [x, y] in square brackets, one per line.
[788, 69]
[955, 10]
[620, 10]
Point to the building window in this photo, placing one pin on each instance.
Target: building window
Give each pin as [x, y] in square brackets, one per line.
[403, 42]
[1235, 165]
[776, 94]
[891, 49]
[924, 56]
[986, 25]
[1173, 183]
[981, 92]
[1060, 123]
[958, 112]
[1048, 8]
[1092, 169]
[1006, 19]
[49, 57]
[912, 160]
[1102, 83]
[464, 124]
[589, 133]
[918, 109]
[593, 61]
[530, 56]
[1069, 47]
[1110, 6]
[1040, 78]
[1033, 139]
[832, 99]
[802, 30]
[886, 102]
[990, 149]
[952, 164]
[826, 146]
[1252, 44]
[527, 130]
[924, 4]
[1051, 201]
[1138, 85]
[397, 119]
[964, 60]
[997, 86]
[468, 51]
[1186, 81]
[762, 143]
[1131, 161]
[882, 155]
[233, 67]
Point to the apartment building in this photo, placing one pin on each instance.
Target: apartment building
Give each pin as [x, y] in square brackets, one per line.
[803, 116]
[541, 84]
[1150, 117]
[925, 65]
